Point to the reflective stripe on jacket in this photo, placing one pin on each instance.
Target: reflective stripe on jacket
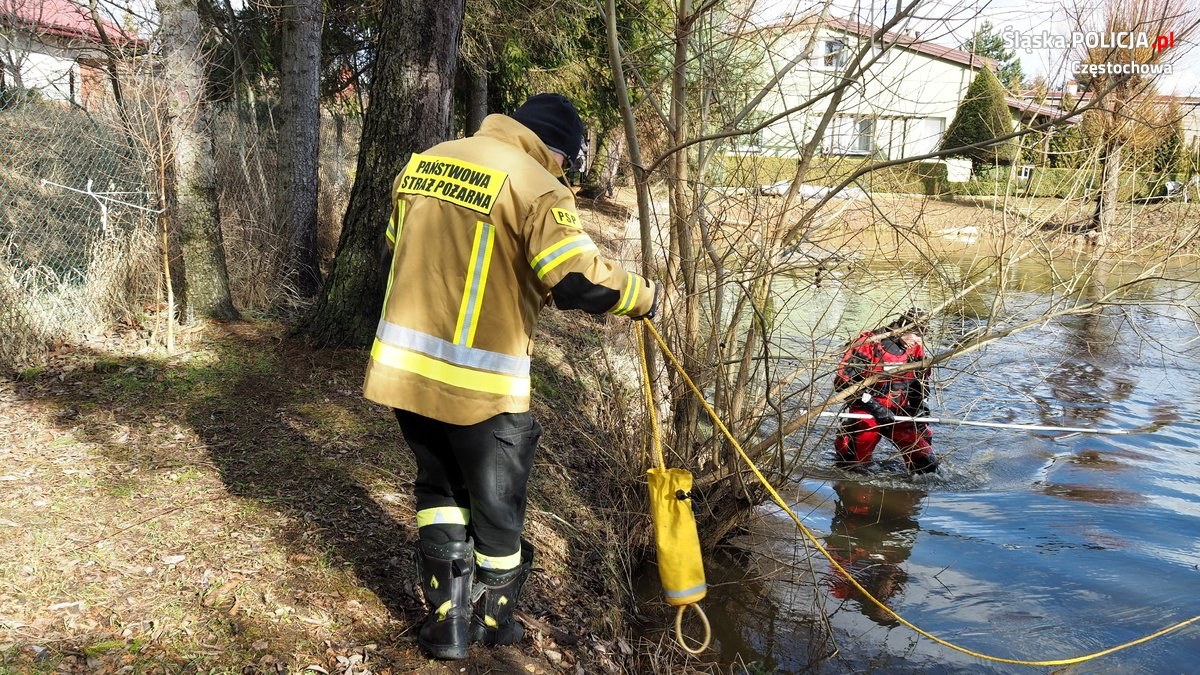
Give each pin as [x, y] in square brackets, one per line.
[483, 236]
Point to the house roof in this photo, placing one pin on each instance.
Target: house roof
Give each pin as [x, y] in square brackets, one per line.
[914, 43]
[61, 18]
[1037, 110]
[901, 40]
[1057, 95]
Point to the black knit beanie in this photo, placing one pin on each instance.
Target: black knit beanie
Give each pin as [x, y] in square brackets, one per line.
[554, 119]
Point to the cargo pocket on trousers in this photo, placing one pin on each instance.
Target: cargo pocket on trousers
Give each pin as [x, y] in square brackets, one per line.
[514, 459]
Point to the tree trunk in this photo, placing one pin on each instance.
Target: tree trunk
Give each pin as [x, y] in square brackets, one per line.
[192, 194]
[681, 270]
[409, 110]
[477, 98]
[1105, 215]
[299, 84]
[601, 179]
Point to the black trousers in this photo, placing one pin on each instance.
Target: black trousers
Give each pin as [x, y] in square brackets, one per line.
[482, 468]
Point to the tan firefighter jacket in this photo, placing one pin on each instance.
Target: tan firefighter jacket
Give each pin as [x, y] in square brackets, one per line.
[483, 236]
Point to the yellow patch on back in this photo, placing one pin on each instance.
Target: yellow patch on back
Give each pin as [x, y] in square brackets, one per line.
[464, 184]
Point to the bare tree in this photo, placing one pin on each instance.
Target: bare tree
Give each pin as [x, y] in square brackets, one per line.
[1122, 74]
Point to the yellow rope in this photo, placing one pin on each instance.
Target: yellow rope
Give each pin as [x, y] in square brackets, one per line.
[649, 391]
[662, 464]
[841, 570]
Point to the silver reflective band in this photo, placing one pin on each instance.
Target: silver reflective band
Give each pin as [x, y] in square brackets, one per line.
[687, 591]
[459, 355]
[555, 255]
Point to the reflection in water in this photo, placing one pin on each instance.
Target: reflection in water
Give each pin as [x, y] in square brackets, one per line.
[1093, 494]
[872, 533]
[759, 622]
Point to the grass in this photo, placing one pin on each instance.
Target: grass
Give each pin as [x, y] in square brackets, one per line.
[239, 507]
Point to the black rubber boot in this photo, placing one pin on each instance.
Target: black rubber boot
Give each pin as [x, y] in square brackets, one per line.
[446, 578]
[496, 596]
[925, 464]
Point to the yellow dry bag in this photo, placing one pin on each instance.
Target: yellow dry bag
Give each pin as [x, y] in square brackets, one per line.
[680, 566]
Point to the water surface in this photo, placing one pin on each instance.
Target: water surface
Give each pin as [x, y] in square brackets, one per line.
[1029, 546]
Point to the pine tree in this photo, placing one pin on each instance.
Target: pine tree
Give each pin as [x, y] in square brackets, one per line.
[983, 115]
[988, 42]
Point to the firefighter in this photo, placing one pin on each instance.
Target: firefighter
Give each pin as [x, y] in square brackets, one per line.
[875, 353]
[484, 233]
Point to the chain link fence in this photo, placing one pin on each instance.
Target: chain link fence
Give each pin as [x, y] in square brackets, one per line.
[79, 237]
[74, 208]
[246, 143]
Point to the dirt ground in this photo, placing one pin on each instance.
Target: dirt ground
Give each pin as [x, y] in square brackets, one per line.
[239, 507]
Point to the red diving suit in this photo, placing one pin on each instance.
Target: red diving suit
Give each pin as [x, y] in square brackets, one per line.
[873, 353]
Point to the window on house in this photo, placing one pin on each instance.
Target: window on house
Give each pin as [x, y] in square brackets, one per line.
[836, 54]
[851, 136]
[754, 138]
[862, 138]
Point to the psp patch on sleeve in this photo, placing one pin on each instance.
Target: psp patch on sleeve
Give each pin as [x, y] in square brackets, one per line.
[567, 218]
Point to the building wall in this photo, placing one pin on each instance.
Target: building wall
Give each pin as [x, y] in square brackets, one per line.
[47, 65]
[906, 102]
[1191, 122]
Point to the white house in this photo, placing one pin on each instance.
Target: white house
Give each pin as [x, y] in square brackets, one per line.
[55, 48]
[900, 108]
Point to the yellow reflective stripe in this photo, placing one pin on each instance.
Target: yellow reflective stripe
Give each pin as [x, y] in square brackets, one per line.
[446, 373]
[475, 285]
[395, 224]
[444, 609]
[498, 562]
[443, 515]
[387, 293]
[633, 286]
[561, 251]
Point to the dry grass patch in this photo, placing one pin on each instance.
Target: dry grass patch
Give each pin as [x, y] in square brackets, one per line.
[240, 508]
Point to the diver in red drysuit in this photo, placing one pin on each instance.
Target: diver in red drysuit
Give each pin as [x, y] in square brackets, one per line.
[878, 352]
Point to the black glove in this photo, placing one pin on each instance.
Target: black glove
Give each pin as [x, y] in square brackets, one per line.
[916, 406]
[880, 413]
[916, 410]
[653, 306]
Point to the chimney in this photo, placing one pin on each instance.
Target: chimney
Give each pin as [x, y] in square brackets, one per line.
[1070, 88]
